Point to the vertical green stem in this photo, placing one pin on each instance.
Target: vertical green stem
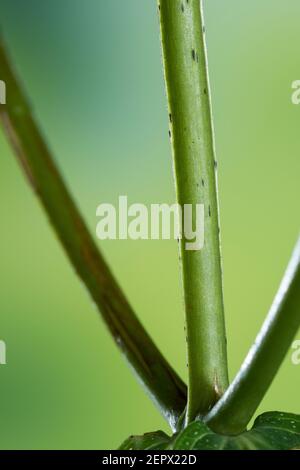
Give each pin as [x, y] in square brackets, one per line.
[191, 134]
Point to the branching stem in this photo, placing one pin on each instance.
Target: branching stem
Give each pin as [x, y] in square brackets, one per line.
[234, 411]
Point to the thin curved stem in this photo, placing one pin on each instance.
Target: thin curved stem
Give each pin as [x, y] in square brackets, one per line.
[163, 384]
[235, 409]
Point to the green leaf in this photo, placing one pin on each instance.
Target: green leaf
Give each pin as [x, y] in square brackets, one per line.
[271, 431]
[149, 441]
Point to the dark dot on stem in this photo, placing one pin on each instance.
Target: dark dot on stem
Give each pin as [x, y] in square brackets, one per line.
[170, 134]
[182, 8]
[209, 211]
[193, 54]
[202, 181]
[205, 91]
[215, 164]
[170, 117]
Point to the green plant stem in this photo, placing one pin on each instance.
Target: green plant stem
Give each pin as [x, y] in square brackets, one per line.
[191, 134]
[234, 411]
[164, 386]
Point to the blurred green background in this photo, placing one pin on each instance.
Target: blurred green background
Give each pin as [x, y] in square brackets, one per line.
[93, 72]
